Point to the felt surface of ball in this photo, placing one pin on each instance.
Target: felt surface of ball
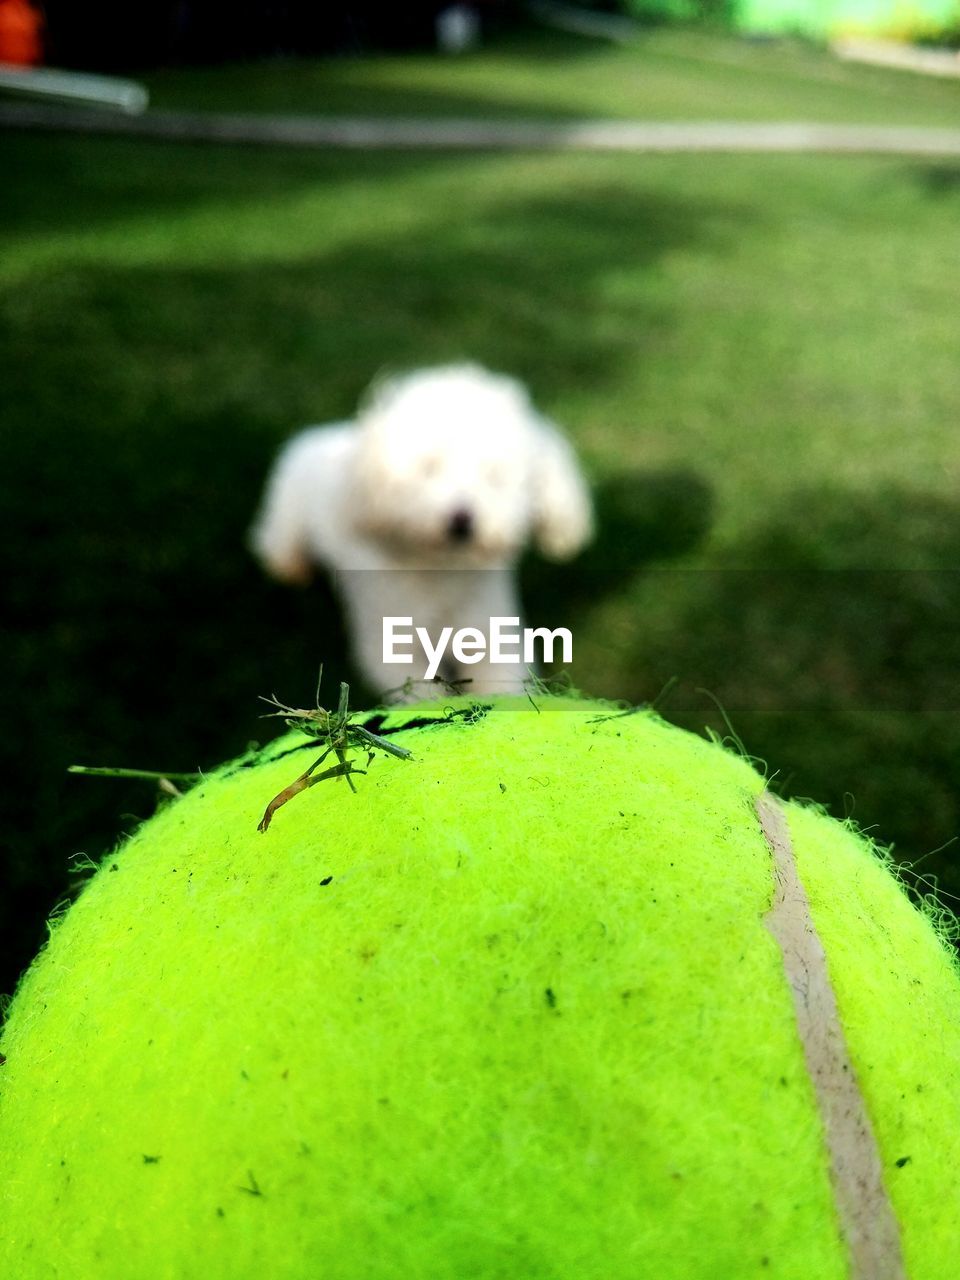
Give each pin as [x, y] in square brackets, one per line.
[512, 1010]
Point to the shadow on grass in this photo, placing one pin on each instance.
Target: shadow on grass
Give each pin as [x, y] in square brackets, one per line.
[840, 674]
[941, 180]
[517, 284]
[642, 518]
[76, 184]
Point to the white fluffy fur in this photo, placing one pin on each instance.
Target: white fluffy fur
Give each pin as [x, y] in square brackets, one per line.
[380, 502]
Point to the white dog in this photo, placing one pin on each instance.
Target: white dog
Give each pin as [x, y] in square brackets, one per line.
[421, 507]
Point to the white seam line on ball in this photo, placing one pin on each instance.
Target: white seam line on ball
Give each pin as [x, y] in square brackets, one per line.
[866, 1215]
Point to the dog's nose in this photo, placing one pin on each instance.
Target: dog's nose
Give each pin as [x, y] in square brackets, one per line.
[460, 526]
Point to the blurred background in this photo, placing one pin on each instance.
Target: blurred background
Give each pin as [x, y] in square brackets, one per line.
[755, 355]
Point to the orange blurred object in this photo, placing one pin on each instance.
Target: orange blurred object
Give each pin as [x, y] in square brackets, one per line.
[21, 33]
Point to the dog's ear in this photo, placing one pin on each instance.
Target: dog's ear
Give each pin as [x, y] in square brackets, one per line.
[562, 510]
[383, 388]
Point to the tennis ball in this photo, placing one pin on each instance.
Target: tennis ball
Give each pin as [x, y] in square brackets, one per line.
[567, 996]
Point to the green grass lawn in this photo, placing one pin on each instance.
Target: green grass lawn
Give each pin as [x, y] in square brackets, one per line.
[665, 75]
[756, 356]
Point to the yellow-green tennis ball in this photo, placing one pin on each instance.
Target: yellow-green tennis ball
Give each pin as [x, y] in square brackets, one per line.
[541, 1004]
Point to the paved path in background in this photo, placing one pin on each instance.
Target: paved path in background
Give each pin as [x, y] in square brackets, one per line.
[375, 133]
[903, 57]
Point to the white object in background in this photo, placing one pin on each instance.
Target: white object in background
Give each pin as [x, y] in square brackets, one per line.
[458, 28]
[75, 86]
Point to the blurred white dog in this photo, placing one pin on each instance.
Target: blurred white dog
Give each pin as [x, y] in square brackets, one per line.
[421, 507]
